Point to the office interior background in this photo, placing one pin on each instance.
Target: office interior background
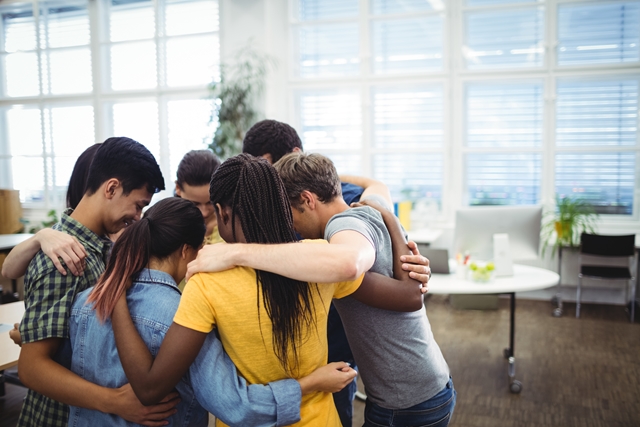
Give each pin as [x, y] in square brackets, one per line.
[450, 103]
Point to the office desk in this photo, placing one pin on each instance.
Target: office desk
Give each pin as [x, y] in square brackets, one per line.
[9, 352]
[8, 242]
[525, 278]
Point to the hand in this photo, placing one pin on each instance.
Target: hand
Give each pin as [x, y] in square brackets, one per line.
[127, 406]
[211, 258]
[58, 245]
[417, 266]
[329, 378]
[14, 334]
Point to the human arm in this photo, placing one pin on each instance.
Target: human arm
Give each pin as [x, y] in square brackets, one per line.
[370, 185]
[39, 372]
[151, 379]
[55, 244]
[400, 293]
[222, 392]
[346, 258]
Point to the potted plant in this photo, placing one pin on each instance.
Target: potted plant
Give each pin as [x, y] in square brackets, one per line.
[236, 94]
[563, 226]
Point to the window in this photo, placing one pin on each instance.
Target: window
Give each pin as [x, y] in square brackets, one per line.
[474, 102]
[76, 72]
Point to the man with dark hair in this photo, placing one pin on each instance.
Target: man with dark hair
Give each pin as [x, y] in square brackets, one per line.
[272, 140]
[122, 179]
[194, 175]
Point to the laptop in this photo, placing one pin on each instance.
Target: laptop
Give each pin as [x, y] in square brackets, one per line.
[438, 259]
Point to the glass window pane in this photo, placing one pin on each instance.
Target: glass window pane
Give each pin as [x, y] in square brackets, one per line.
[407, 45]
[72, 130]
[133, 66]
[328, 50]
[491, 2]
[64, 78]
[407, 176]
[25, 131]
[508, 115]
[21, 74]
[189, 128]
[63, 166]
[131, 20]
[503, 179]
[28, 177]
[513, 38]
[408, 118]
[19, 28]
[139, 121]
[348, 164]
[605, 180]
[189, 17]
[310, 10]
[382, 7]
[330, 120]
[64, 25]
[598, 33]
[600, 113]
[193, 61]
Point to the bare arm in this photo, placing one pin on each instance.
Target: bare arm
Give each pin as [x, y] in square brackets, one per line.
[400, 293]
[370, 185]
[346, 258]
[41, 373]
[55, 244]
[151, 379]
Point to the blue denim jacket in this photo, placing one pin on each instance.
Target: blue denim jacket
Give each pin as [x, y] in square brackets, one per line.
[153, 300]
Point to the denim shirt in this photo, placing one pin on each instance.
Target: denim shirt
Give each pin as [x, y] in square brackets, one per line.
[153, 300]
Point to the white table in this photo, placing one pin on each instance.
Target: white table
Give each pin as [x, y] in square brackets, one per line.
[425, 236]
[9, 352]
[525, 278]
[8, 242]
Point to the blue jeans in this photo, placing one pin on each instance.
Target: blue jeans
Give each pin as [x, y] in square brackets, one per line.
[344, 402]
[435, 412]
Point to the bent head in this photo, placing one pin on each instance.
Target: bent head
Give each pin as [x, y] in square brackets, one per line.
[309, 179]
[271, 140]
[194, 175]
[127, 175]
[251, 203]
[172, 228]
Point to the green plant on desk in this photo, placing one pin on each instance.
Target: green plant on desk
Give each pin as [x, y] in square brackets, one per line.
[563, 227]
[52, 218]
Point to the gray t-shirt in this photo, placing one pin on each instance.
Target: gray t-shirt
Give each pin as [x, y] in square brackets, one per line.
[399, 360]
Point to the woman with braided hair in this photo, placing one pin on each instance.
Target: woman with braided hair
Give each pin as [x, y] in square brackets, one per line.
[271, 326]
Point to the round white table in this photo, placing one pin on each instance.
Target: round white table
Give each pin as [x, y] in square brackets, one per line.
[525, 278]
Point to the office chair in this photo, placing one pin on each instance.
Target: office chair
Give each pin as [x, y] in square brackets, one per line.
[607, 248]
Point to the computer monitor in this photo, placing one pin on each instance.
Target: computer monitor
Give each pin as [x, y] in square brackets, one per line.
[475, 227]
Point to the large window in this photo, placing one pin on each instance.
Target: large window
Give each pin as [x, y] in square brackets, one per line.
[474, 102]
[73, 73]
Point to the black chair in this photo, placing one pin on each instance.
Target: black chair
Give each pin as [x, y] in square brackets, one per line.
[601, 248]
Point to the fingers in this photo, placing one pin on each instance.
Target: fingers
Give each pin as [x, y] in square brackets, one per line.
[415, 259]
[413, 247]
[169, 397]
[154, 423]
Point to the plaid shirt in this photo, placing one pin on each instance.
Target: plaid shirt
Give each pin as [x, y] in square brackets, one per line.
[48, 300]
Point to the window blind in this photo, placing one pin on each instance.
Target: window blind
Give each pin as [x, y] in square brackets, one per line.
[407, 45]
[503, 179]
[597, 113]
[415, 177]
[328, 50]
[606, 180]
[501, 39]
[313, 10]
[504, 115]
[598, 33]
[408, 118]
[381, 7]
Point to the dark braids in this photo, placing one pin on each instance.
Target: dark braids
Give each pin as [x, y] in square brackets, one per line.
[255, 193]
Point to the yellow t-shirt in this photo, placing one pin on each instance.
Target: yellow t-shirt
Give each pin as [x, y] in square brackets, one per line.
[227, 301]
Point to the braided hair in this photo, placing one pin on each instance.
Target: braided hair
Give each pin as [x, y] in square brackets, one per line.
[251, 187]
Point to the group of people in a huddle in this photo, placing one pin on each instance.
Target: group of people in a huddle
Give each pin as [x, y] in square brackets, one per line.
[251, 295]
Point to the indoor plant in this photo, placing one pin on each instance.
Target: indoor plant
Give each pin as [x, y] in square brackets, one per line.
[563, 226]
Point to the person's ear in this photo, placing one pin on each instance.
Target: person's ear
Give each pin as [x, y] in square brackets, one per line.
[307, 199]
[224, 213]
[178, 190]
[297, 150]
[110, 188]
[184, 253]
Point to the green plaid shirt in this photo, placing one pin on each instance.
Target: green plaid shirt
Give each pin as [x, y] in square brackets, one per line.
[48, 299]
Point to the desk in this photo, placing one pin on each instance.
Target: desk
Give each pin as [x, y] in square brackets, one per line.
[525, 278]
[425, 236]
[9, 352]
[8, 242]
